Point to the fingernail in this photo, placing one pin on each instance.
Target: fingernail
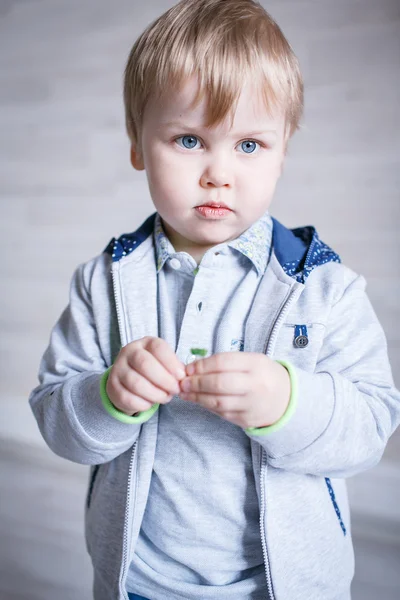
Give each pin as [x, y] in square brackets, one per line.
[180, 373]
[190, 369]
[186, 385]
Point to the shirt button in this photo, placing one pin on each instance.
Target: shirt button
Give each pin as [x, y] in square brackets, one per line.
[175, 263]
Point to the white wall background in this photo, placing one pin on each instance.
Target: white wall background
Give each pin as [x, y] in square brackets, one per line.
[67, 187]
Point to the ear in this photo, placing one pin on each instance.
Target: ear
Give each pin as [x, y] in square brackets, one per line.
[136, 159]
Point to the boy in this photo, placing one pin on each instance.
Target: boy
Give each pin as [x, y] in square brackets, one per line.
[220, 478]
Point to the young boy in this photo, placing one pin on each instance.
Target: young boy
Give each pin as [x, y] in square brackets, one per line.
[221, 478]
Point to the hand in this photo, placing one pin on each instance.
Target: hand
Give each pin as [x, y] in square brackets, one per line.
[145, 372]
[246, 388]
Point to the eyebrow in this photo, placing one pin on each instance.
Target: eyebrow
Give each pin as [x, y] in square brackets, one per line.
[184, 127]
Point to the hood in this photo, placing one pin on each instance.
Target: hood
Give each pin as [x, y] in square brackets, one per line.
[298, 251]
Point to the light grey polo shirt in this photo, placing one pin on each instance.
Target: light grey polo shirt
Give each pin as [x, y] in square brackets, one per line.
[200, 536]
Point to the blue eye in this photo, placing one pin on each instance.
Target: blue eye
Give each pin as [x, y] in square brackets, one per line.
[188, 141]
[249, 146]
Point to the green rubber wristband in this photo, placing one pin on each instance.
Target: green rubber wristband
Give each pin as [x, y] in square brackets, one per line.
[287, 415]
[118, 414]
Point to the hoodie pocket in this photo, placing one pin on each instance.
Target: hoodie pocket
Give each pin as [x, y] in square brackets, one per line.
[93, 476]
[300, 343]
[335, 504]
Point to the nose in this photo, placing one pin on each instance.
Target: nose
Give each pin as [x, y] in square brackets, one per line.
[216, 174]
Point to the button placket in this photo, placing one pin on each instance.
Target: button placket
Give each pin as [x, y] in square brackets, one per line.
[192, 318]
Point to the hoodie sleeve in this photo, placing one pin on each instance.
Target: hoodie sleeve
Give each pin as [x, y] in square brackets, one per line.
[67, 403]
[348, 408]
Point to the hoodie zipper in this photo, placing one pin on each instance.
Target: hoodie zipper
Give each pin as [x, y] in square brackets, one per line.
[125, 545]
[267, 565]
[271, 341]
[122, 330]
[268, 351]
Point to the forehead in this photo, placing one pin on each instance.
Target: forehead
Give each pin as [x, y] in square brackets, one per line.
[177, 105]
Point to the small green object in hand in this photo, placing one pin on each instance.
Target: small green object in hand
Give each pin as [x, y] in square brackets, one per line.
[198, 351]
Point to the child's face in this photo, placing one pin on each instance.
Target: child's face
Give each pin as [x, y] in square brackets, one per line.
[188, 165]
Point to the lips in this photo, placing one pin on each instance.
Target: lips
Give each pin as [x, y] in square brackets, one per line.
[215, 205]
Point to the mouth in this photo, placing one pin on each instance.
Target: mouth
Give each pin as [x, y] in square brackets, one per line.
[214, 205]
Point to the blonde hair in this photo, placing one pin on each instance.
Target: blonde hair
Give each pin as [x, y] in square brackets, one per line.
[224, 43]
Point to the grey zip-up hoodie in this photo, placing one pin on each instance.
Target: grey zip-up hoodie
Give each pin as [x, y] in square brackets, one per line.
[347, 407]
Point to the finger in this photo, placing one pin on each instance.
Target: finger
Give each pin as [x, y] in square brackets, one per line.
[232, 384]
[129, 403]
[221, 405]
[141, 387]
[223, 361]
[163, 352]
[148, 366]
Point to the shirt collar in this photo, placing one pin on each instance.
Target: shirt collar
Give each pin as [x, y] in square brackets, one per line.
[254, 243]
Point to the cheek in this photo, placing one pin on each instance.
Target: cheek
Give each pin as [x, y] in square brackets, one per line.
[166, 174]
[259, 187]
[264, 177]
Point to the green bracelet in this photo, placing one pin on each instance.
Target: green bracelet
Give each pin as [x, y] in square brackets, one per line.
[118, 414]
[287, 415]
